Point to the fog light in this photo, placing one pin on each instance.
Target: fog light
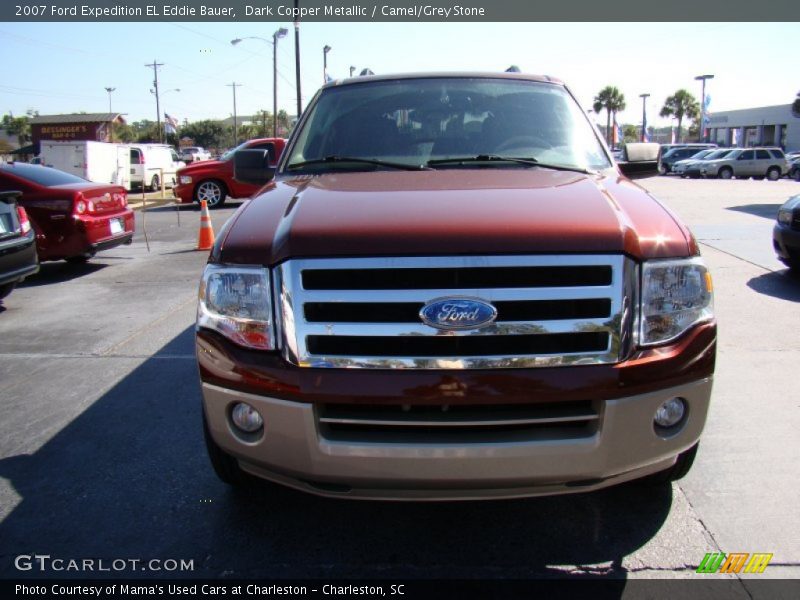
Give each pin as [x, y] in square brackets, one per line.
[671, 412]
[246, 418]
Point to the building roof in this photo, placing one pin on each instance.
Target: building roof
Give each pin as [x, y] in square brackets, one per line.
[75, 118]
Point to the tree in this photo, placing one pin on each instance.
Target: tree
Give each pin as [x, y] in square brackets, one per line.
[208, 133]
[612, 101]
[19, 126]
[796, 106]
[681, 104]
[630, 133]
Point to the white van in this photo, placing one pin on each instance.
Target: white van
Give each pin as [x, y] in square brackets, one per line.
[152, 163]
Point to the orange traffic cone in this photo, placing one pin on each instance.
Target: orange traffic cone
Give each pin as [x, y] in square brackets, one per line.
[205, 240]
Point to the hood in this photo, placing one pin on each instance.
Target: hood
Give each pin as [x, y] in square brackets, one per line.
[199, 165]
[454, 211]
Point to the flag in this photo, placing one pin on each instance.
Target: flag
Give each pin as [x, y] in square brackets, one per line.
[170, 124]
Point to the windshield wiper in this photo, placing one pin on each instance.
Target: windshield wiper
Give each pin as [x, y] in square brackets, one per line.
[529, 162]
[352, 159]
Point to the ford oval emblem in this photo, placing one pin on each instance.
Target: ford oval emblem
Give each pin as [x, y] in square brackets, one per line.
[457, 313]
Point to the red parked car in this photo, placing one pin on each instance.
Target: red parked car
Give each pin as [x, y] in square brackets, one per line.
[212, 180]
[73, 218]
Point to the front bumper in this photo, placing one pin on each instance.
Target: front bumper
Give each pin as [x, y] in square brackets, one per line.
[786, 242]
[293, 451]
[184, 193]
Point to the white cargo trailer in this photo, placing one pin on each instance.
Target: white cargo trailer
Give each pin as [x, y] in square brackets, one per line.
[100, 162]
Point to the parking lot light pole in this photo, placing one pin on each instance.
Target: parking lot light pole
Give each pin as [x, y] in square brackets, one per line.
[111, 127]
[703, 106]
[280, 33]
[325, 51]
[644, 98]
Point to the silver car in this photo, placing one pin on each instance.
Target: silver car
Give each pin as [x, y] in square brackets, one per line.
[679, 168]
[748, 162]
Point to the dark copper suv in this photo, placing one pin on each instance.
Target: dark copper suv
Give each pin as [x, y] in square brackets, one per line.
[450, 290]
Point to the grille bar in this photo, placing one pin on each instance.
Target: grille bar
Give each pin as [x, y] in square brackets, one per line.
[454, 423]
[455, 346]
[408, 312]
[456, 278]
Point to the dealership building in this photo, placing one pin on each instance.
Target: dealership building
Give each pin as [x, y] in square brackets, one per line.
[763, 126]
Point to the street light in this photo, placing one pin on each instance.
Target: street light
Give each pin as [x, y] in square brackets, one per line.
[111, 128]
[280, 33]
[109, 90]
[703, 105]
[644, 98]
[325, 51]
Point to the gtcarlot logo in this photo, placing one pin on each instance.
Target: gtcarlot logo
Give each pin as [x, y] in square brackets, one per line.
[47, 563]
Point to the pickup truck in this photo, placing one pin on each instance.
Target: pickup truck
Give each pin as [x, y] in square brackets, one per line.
[448, 289]
[213, 181]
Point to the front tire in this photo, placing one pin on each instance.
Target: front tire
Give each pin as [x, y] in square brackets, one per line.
[683, 464]
[212, 191]
[726, 173]
[225, 466]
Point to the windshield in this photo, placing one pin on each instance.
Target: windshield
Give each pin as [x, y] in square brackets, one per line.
[718, 154]
[415, 122]
[229, 154]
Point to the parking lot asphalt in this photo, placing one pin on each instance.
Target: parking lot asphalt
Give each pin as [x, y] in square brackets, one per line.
[101, 451]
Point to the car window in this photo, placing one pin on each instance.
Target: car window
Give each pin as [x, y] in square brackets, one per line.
[762, 154]
[46, 176]
[777, 153]
[413, 120]
[746, 155]
[268, 146]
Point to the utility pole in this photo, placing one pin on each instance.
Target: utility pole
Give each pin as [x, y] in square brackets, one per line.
[297, 58]
[155, 66]
[234, 85]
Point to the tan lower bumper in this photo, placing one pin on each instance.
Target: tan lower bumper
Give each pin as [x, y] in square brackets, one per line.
[292, 452]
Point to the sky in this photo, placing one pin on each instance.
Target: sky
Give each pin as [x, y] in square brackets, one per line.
[58, 68]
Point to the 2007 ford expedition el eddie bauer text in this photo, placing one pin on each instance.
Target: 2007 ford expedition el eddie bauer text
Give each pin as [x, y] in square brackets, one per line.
[447, 289]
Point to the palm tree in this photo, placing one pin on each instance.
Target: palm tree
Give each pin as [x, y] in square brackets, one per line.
[613, 101]
[681, 104]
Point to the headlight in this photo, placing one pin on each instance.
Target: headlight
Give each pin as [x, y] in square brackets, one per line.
[785, 217]
[236, 302]
[676, 294]
[185, 179]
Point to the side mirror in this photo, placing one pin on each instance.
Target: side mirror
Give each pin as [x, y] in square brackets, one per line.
[252, 166]
[639, 160]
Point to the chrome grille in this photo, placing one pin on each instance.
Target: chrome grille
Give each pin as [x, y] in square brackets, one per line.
[364, 312]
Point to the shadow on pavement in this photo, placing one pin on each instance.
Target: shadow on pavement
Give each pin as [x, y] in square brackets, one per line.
[129, 478]
[780, 284]
[767, 211]
[58, 271]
